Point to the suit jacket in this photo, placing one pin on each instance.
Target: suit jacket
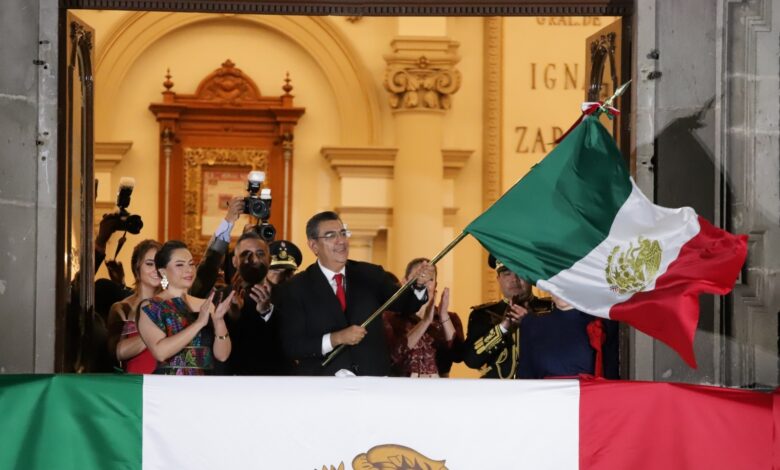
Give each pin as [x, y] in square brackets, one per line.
[309, 309]
[257, 348]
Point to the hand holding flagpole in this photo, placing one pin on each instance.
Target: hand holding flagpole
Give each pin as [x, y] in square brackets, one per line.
[397, 294]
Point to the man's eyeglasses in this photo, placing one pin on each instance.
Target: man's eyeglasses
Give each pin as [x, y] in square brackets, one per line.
[333, 235]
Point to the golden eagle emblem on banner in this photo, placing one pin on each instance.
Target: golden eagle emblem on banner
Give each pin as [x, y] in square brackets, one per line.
[391, 457]
[631, 269]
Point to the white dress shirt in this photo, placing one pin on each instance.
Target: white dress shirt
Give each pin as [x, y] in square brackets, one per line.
[329, 275]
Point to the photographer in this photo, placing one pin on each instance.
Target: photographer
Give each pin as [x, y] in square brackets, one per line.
[208, 268]
[252, 321]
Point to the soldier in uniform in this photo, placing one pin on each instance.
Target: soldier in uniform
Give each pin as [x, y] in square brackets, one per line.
[493, 341]
[285, 259]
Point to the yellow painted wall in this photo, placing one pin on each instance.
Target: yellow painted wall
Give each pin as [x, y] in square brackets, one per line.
[544, 85]
[193, 52]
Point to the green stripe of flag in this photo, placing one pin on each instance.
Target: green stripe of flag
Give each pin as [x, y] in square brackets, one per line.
[71, 421]
[562, 209]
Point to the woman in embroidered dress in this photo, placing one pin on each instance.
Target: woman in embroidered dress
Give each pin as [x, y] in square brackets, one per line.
[425, 344]
[123, 339]
[184, 333]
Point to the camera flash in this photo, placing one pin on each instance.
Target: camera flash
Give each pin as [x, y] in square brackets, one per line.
[126, 182]
[256, 176]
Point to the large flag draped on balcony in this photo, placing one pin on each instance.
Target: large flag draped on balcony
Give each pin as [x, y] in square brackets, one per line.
[302, 423]
[578, 227]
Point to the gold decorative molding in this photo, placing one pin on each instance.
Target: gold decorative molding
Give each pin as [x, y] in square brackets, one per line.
[366, 218]
[357, 106]
[109, 154]
[107, 157]
[493, 51]
[370, 162]
[228, 84]
[195, 159]
[380, 218]
[454, 161]
[379, 162]
[421, 73]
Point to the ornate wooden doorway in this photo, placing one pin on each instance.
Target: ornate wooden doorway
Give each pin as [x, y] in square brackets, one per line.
[210, 141]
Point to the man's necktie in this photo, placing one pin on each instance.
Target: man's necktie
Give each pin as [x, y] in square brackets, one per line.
[339, 278]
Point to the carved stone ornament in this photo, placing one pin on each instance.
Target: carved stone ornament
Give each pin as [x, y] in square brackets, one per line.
[228, 84]
[421, 85]
[196, 159]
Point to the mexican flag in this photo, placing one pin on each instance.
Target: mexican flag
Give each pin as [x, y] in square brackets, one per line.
[578, 227]
[304, 423]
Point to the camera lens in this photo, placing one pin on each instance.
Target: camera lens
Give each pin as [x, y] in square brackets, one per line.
[257, 208]
[267, 232]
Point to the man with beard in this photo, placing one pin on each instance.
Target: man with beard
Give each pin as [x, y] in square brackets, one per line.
[323, 307]
[493, 342]
[253, 323]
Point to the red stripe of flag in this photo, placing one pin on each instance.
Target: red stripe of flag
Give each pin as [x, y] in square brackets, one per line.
[663, 426]
[710, 262]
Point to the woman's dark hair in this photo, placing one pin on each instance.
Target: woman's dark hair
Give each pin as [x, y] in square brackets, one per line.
[138, 252]
[163, 256]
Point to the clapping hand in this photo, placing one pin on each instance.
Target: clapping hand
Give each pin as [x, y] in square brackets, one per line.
[425, 275]
[261, 294]
[205, 310]
[444, 305]
[426, 312]
[218, 314]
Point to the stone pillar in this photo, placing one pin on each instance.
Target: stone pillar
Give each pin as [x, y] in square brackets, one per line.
[421, 79]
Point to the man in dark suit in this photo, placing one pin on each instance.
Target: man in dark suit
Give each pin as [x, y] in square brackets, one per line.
[252, 323]
[322, 307]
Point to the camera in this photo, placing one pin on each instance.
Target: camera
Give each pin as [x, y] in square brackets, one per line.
[258, 204]
[127, 222]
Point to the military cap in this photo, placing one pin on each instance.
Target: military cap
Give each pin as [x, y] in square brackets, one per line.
[285, 255]
[495, 264]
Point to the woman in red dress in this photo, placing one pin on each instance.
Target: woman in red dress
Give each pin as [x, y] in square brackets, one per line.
[124, 341]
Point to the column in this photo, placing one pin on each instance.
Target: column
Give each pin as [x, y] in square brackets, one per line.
[421, 80]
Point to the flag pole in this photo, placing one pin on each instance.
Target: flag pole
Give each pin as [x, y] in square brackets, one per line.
[397, 294]
[611, 100]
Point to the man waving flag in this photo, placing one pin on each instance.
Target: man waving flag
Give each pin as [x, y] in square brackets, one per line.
[578, 227]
